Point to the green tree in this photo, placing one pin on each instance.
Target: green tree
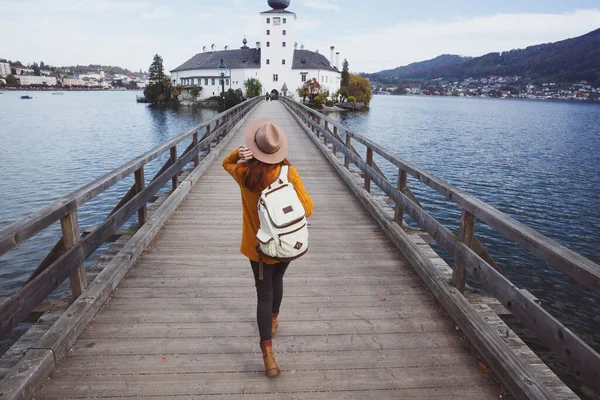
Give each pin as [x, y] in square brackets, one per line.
[11, 80]
[345, 74]
[157, 71]
[159, 91]
[253, 88]
[36, 69]
[195, 91]
[232, 98]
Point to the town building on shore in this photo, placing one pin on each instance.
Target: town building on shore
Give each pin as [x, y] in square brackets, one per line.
[276, 61]
[28, 80]
[4, 69]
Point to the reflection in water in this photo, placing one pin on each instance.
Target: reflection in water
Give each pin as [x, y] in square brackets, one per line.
[535, 161]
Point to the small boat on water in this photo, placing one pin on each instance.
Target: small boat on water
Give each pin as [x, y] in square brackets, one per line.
[57, 93]
[26, 97]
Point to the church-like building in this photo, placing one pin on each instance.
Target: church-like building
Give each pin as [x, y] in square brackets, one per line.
[277, 61]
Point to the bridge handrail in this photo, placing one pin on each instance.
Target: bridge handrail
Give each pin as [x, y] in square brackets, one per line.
[579, 357]
[68, 255]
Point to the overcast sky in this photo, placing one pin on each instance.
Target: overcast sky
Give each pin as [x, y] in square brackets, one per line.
[372, 35]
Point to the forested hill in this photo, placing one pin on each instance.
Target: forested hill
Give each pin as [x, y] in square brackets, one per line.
[570, 60]
[411, 69]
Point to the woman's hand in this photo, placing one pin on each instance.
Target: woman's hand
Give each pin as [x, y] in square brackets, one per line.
[245, 153]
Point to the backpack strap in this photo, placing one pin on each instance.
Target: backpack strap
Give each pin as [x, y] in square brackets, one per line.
[283, 173]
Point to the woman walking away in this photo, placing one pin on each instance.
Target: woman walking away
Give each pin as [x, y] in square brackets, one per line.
[254, 167]
[267, 96]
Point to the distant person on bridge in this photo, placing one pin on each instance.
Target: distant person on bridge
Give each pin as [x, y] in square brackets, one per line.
[261, 160]
[267, 97]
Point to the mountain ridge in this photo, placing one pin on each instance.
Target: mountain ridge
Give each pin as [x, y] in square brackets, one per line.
[570, 60]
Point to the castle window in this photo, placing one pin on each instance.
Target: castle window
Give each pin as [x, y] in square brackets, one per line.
[268, 44]
[275, 78]
[268, 32]
[283, 44]
[303, 77]
[276, 21]
[284, 32]
[284, 20]
[283, 62]
[212, 82]
[205, 81]
[268, 20]
[268, 61]
[227, 81]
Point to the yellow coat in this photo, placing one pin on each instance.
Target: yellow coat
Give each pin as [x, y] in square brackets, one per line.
[251, 222]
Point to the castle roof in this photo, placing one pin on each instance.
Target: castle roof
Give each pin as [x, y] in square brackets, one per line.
[250, 58]
[234, 59]
[306, 59]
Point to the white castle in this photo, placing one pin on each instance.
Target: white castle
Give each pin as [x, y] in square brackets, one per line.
[276, 61]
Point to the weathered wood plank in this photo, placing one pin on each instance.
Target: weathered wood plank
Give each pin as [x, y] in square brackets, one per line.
[238, 383]
[247, 362]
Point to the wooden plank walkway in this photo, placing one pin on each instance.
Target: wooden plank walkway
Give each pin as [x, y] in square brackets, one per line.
[355, 323]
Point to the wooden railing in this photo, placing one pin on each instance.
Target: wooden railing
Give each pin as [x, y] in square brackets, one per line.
[66, 259]
[468, 252]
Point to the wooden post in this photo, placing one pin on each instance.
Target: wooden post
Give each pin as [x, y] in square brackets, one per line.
[335, 134]
[70, 232]
[466, 234]
[207, 135]
[348, 146]
[175, 178]
[195, 142]
[370, 164]
[399, 213]
[140, 184]
[325, 137]
[217, 126]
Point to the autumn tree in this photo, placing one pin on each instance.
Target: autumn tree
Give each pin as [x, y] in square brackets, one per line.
[360, 88]
[303, 93]
[314, 87]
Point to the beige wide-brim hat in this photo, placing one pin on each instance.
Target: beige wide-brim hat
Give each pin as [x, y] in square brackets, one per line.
[267, 141]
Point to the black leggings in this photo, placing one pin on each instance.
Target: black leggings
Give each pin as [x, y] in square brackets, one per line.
[269, 293]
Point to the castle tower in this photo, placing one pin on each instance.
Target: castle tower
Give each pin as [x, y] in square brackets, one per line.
[277, 44]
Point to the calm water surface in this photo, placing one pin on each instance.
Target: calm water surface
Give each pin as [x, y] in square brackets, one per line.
[52, 145]
[536, 161]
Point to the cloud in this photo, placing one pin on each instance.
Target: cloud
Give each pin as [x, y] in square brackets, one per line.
[373, 50]
[321, 4]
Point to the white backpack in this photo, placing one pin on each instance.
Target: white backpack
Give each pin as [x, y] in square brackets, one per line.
[283, 232]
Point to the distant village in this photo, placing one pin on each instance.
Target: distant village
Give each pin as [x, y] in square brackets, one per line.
[494, 86]
[41, 77]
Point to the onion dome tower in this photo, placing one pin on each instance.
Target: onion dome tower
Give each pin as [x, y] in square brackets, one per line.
[279, 4]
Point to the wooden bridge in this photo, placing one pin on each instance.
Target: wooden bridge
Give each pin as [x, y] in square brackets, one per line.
[371, 311]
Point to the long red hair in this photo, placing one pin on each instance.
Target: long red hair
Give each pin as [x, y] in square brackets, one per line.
[258, 175]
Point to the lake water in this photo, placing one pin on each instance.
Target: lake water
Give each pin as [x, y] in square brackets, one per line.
[52, 145]
[537, 161]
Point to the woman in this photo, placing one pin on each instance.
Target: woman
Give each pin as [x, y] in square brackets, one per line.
[262, 157]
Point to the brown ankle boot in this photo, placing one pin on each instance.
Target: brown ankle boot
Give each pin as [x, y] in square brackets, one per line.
[271, 368]
[274, 323]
